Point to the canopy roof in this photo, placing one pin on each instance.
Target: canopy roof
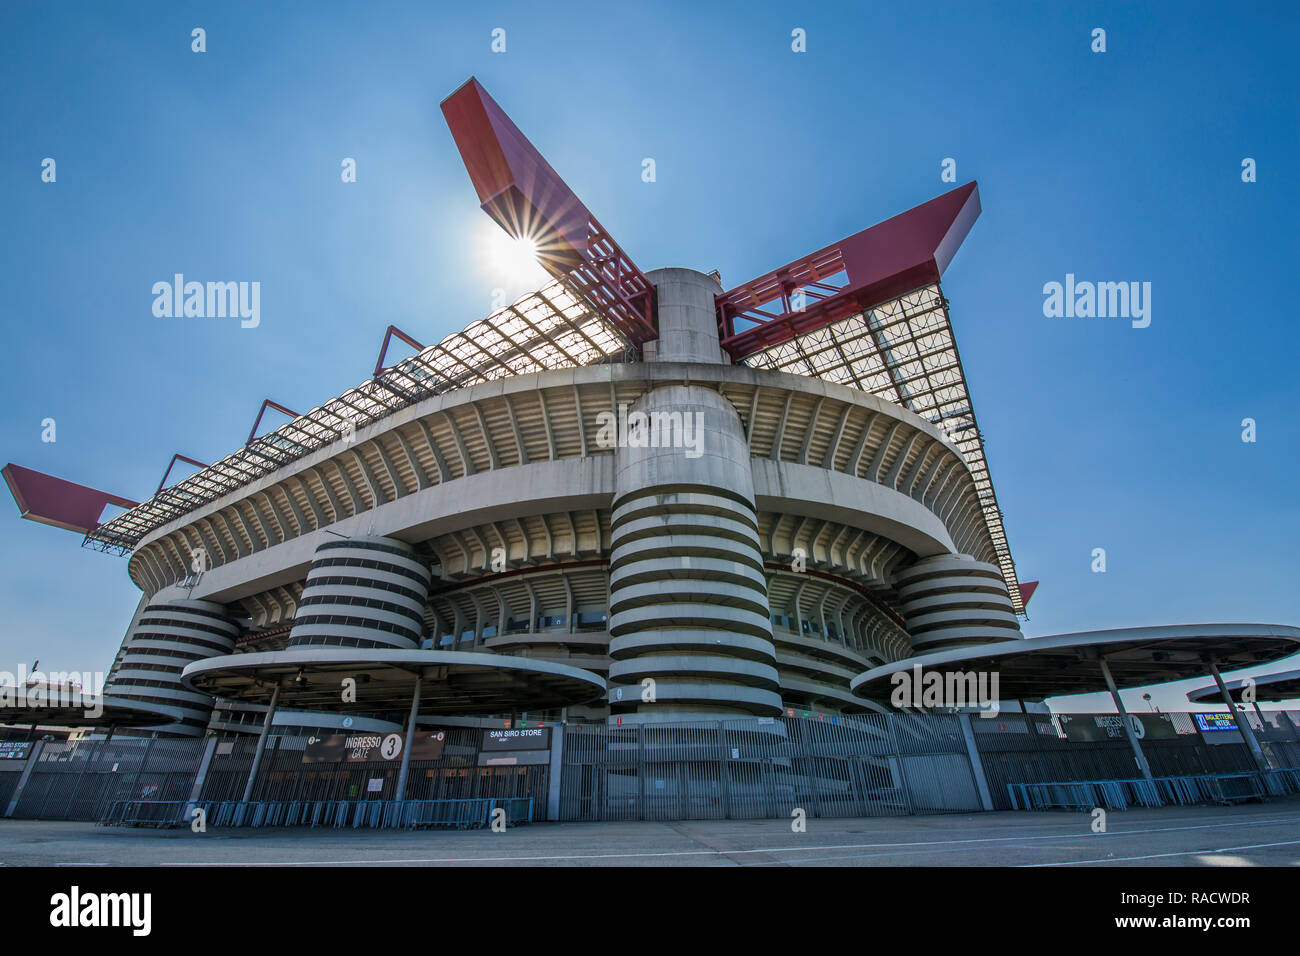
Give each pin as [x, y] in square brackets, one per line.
[114, 712]
[455, 682]
[1284, 685]
[1041, 667]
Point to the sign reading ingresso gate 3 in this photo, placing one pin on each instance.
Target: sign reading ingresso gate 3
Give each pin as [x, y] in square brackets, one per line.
[367, 748]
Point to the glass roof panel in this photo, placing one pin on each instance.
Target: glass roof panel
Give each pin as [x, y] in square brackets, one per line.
[904, 352]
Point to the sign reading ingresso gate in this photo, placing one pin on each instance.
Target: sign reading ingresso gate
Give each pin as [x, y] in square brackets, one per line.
[366, 748]
[1111, 727]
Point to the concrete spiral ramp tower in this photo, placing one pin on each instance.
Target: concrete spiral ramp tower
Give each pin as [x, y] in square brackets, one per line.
[166, 637]
[953, 599]
[362, 592]
[690, 630]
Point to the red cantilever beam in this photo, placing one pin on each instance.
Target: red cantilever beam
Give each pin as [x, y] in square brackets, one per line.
[518, 188]
[171, 464]
[880, 263]
[57, 502]
[383, 349]
[267, 403]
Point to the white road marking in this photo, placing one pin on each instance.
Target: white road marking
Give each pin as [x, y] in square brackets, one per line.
[1158, 856]
[783, 849]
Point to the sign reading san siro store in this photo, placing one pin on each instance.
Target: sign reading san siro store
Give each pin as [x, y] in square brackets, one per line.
[371, 748]
[15, 749]
[523, 738]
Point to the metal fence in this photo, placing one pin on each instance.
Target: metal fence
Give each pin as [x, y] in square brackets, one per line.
[1221, 788]
[1032, 749]
[78, 780]
[8, 784]
[284, 776]
[407, 814]
[868, 765]
[872, 765]
[145, 781]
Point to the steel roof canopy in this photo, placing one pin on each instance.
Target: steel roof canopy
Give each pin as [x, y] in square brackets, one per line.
[884, 330]
[516, 185]
[880, 263]
[527, 198]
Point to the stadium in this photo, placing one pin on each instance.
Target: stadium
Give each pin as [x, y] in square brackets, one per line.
[649, 503]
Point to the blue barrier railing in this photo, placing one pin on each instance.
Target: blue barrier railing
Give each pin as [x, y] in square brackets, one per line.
[1138, 791]
[463, 814]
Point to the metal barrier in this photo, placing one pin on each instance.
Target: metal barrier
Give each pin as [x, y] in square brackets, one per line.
[1137, 791]
[462, 814]
[145, 813]
[1232, 787]
[739, 768]
[1283, 781]
[476, 813]
[1084, 794]
[76, 780]
[753, 768]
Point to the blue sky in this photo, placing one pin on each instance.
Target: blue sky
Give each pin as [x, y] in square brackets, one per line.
[1119, 166]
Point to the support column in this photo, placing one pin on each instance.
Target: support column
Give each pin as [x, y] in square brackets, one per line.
[1243, 724]
[555, 778]
[1260, 714]
[1123, 715]
[144, 759]
[890, 722]
[976, 765]
[196, 791]
[400, 792]
[25, 776]
[261, 744]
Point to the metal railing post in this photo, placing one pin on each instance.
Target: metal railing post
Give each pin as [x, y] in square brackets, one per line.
[722, 767]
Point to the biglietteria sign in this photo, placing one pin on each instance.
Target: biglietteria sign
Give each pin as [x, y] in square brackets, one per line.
[370, 748]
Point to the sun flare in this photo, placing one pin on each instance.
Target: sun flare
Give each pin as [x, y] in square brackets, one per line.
[515, 259]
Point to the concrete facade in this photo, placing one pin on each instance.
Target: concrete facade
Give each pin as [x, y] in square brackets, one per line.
[710, 539]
